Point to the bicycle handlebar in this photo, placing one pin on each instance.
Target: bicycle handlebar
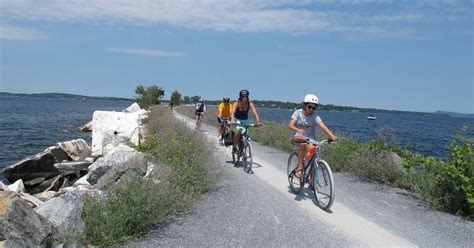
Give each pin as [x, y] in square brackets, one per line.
[308, 140]
[250, 125]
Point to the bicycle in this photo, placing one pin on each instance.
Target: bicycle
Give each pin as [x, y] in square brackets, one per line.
[224, 122]
[243, 150]
[323, 180]
[199, 120]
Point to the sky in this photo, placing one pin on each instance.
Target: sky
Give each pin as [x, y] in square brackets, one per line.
[414, 55]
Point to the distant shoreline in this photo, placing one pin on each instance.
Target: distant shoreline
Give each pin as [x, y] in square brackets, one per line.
[258, 103]
[64, 96]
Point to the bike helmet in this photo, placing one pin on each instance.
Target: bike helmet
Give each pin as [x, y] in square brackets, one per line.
[244, 92]
[200, 99]
[310, 98]
[226, 99]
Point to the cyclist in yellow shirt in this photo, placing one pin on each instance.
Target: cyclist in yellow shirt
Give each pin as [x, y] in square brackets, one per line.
[223, 115]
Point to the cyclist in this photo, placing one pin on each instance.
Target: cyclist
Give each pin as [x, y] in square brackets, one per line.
[223, 115]
[240, 115]
[303, 122]
[200, 110]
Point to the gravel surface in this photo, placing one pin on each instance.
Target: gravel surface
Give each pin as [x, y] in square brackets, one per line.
[259, 210]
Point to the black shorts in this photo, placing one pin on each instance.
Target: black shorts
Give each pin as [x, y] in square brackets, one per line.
[222, 120]
[198, 112]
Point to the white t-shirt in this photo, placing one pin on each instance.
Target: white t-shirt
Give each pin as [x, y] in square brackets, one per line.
[306, 122]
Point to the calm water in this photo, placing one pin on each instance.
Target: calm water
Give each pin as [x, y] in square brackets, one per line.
[30, 125]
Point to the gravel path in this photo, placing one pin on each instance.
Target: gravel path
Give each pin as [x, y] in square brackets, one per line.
[259, 210]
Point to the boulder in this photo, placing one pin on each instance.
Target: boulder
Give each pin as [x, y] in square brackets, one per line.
[64, 212]
[39, 165]
[86, 127]
[58, 153]
[20, 226]
[73, 167]
[17, 186]
[114, 128]
[110, 148]
[3, 187]
[76, 150]
[132, 108]
[34, 202]
[81, 181]
[54, 183]
[121, 162]
[45, 196]
[34, 182]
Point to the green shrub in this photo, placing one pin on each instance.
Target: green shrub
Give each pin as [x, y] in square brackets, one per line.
[339, 154]
[448, 184]
[124, 210]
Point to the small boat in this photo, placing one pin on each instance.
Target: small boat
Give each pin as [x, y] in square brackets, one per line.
[371, 118]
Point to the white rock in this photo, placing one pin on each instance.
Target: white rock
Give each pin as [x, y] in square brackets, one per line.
[81, 181]
[132, 108]
[17, 186]
[45, 196]
[114, 128]
[76, 149]
[29, 198]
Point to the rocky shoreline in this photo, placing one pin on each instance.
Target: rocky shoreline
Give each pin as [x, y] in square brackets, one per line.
[42, 206]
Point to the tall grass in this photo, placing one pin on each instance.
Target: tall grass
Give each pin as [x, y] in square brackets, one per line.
[130, 208]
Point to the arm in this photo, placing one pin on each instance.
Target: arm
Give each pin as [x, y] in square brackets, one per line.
[232, 111]
[327, 131]
[254, 111]
[219, 112]
[292, 127]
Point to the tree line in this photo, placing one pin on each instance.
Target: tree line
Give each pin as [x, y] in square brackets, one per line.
[152, 95]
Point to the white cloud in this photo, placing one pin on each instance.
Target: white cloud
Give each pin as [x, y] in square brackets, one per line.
[292, 16]
[8, 32]
[142, 51]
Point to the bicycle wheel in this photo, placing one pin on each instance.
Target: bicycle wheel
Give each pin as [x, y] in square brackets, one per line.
[235, 157]
[323, 185]
[295, 184]
[247, 158]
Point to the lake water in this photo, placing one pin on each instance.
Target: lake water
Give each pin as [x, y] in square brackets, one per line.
[29, 125]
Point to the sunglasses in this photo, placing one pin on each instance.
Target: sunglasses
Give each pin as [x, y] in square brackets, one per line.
[311, 107]
[243, 97]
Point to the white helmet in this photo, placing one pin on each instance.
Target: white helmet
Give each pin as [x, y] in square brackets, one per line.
[310, 98]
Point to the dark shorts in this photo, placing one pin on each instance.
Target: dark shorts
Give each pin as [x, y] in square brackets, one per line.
[222, 120]
[198, 112]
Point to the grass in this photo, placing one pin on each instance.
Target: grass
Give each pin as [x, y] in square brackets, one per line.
[132, 207]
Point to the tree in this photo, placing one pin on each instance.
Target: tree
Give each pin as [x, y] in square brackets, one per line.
[195, 99]
[187, 100]
[175, 99]
[148, 96]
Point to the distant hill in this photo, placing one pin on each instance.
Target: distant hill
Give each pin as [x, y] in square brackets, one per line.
[454, 114]
[64, 96]
[327, 107]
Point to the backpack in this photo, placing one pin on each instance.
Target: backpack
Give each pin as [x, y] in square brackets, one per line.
[229, 138]
[200, 107]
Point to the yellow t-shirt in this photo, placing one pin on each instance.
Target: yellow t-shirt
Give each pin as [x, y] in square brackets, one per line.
[224, 109]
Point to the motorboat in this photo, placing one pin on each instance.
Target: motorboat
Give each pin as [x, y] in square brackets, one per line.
[371, 118]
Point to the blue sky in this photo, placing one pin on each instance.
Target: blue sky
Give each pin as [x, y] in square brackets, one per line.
[401, 55]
